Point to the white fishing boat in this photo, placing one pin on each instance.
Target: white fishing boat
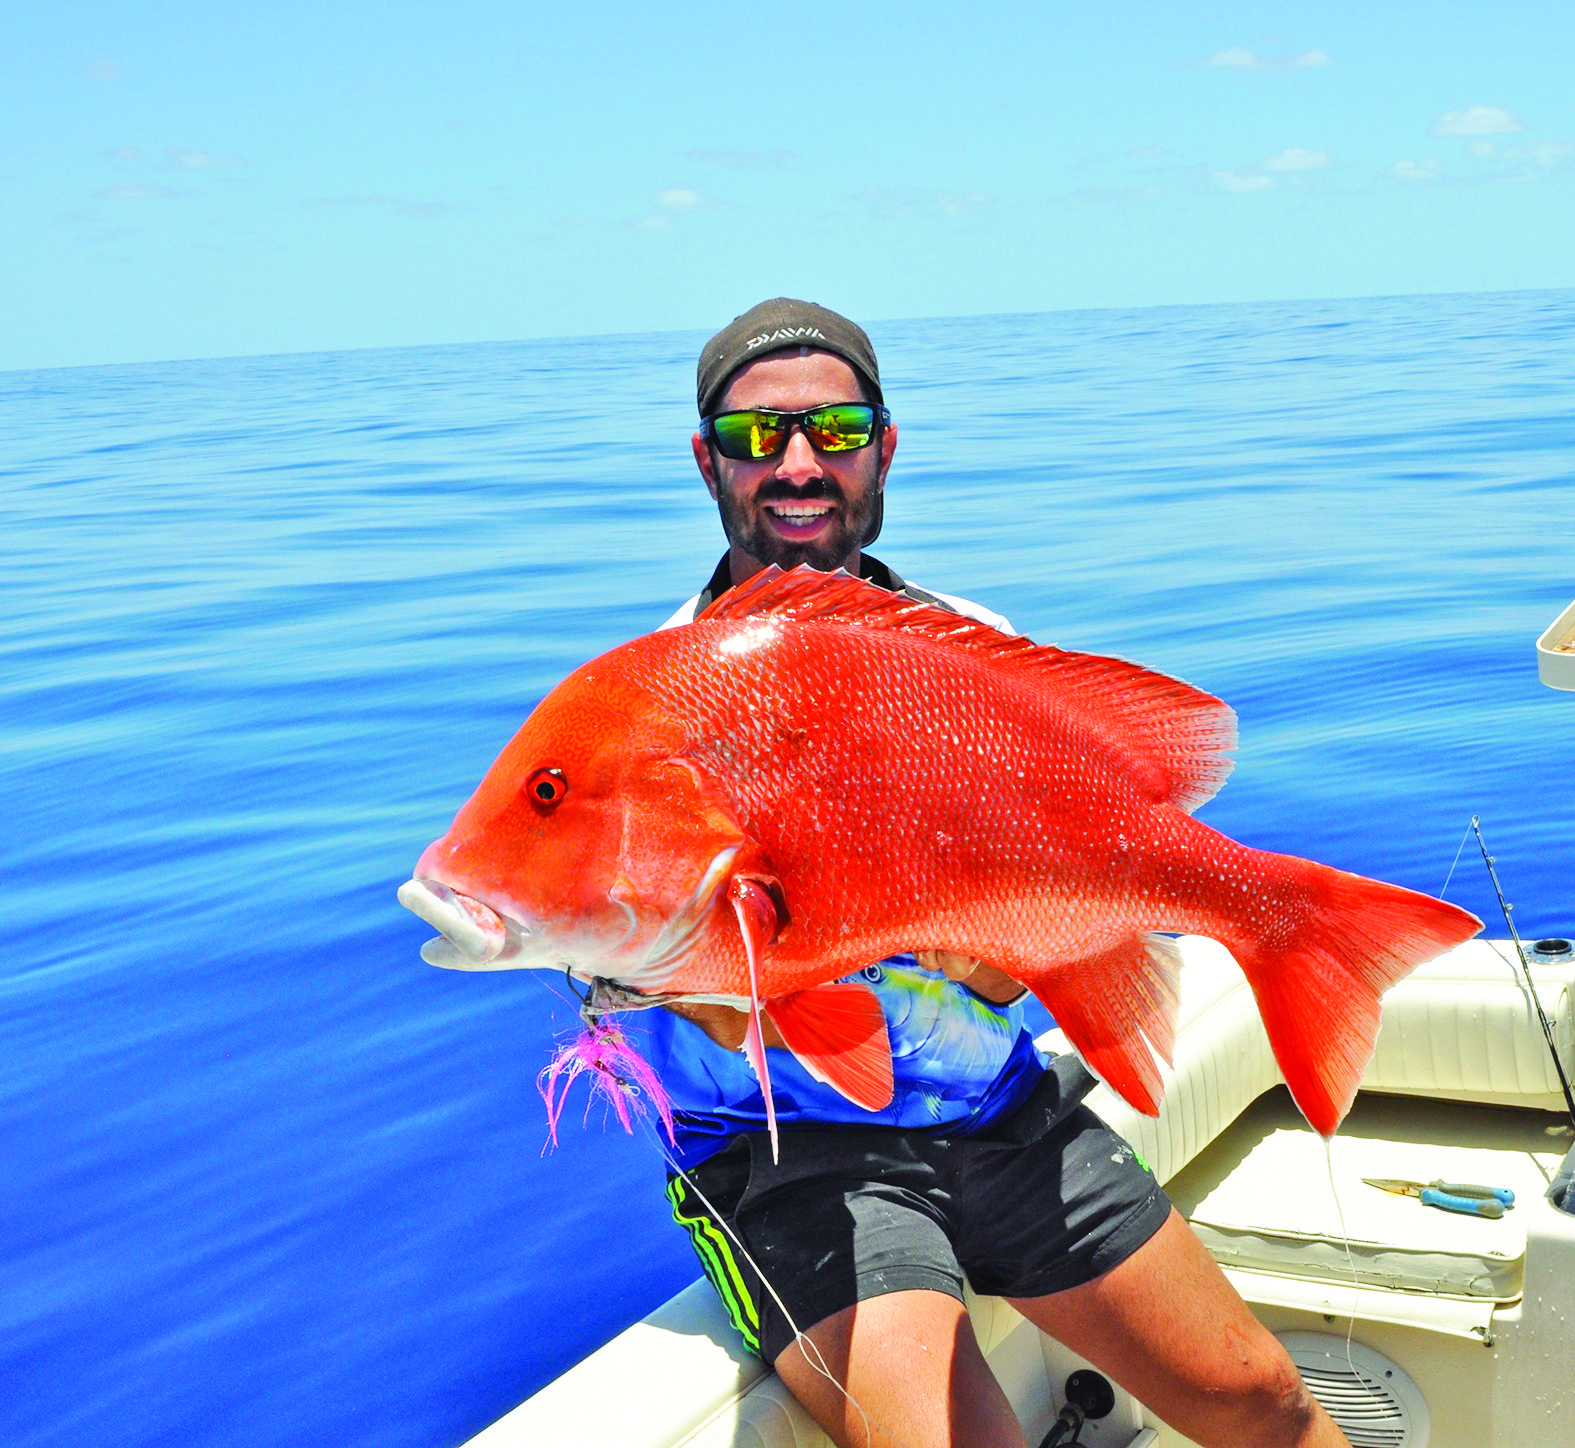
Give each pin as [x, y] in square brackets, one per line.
[1556, 652]
[1416, 1327]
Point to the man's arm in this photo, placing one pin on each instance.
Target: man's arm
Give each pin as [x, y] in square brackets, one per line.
[725, 1025]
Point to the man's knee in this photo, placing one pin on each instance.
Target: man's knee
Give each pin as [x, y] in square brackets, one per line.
[1270, 1403]
[1287, 1400]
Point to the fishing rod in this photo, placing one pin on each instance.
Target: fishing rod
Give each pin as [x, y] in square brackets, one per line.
[1525, 970]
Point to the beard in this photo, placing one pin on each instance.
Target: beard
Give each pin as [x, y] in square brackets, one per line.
[746, 527]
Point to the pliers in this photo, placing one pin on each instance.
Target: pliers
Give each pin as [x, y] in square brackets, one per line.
[1475, 1201]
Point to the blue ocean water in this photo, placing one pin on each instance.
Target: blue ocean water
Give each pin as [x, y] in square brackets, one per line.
[268, 1179]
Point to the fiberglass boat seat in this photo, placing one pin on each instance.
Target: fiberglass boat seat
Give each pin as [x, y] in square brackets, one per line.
[1459, 1029]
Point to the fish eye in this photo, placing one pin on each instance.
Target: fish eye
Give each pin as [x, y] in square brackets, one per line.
[546, 787]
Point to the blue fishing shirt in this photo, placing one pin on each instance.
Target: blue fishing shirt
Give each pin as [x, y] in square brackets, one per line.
[959, 1063]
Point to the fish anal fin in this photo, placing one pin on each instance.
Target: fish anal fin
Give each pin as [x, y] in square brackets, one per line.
[1176, 738]
[1113, 1006]
[838, 1034]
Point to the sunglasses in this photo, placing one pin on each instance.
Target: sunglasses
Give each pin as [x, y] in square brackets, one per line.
[837, 427]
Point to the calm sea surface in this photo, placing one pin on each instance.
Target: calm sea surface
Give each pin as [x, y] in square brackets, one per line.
[266, 1177]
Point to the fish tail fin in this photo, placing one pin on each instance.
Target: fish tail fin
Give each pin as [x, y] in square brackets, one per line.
[1335, 944]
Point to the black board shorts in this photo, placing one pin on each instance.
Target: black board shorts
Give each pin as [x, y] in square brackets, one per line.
[1047, 1199]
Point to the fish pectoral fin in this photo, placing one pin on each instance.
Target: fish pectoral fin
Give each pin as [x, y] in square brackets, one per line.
[758, 922]
[759, 897]
[838, 1034]
[1113, 1006]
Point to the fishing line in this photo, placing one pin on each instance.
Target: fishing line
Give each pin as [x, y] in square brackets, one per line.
[1328, 1145]
[800, 1338]
[812, 1354]
[1451, 875]
[1350, 1261]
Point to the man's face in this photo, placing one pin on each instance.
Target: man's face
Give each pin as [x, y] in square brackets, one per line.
[801, 506]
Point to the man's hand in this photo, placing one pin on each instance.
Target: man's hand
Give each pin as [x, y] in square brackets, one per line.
[985, 981]
[723, 1024]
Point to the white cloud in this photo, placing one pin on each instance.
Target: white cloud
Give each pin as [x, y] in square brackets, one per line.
[1235, 181]
[121, 153]
[1426, 170]
[104, 70]
[1296, 158]
[200, 160]
[1238, 57]
[1480, 149]
[652, 223]
[1551, 153]
[135, 191]
[907, 202]
[1476, 121]
[677, 198]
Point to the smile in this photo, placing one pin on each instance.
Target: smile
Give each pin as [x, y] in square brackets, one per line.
[798, 510]
[799, 514]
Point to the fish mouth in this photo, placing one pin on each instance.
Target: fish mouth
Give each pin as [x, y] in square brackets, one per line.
[474, 936]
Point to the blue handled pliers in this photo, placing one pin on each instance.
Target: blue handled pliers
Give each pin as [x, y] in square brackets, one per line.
[1467, 1197]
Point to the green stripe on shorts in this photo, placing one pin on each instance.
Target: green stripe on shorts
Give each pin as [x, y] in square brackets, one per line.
[721, 1268]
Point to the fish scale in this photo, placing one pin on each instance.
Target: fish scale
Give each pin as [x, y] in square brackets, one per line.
[816, 774]
[957, 788]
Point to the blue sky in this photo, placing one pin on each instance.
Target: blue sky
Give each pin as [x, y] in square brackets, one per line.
[182, 180]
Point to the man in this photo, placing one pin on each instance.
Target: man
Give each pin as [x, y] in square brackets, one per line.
[985, 1163]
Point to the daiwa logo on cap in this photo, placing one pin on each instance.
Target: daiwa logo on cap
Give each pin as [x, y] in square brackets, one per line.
[784, 334]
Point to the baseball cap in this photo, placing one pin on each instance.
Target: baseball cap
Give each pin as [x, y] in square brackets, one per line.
[770, 327]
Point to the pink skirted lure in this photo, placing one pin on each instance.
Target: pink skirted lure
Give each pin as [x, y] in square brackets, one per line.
[617, 1073]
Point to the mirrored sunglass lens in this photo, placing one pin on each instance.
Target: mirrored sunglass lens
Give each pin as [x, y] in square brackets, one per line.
[748, 434]
[841, 429]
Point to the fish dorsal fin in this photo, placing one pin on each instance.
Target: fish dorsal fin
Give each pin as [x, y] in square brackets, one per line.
[1177, 738]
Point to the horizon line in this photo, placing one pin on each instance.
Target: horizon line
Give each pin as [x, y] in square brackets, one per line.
[677, 331]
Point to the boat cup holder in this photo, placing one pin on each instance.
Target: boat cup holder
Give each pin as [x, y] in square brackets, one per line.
[1547, 952]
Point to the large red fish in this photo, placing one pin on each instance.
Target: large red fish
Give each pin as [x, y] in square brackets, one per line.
[817, 774]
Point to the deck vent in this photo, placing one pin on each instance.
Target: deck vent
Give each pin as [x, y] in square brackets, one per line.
[1376, 1406]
